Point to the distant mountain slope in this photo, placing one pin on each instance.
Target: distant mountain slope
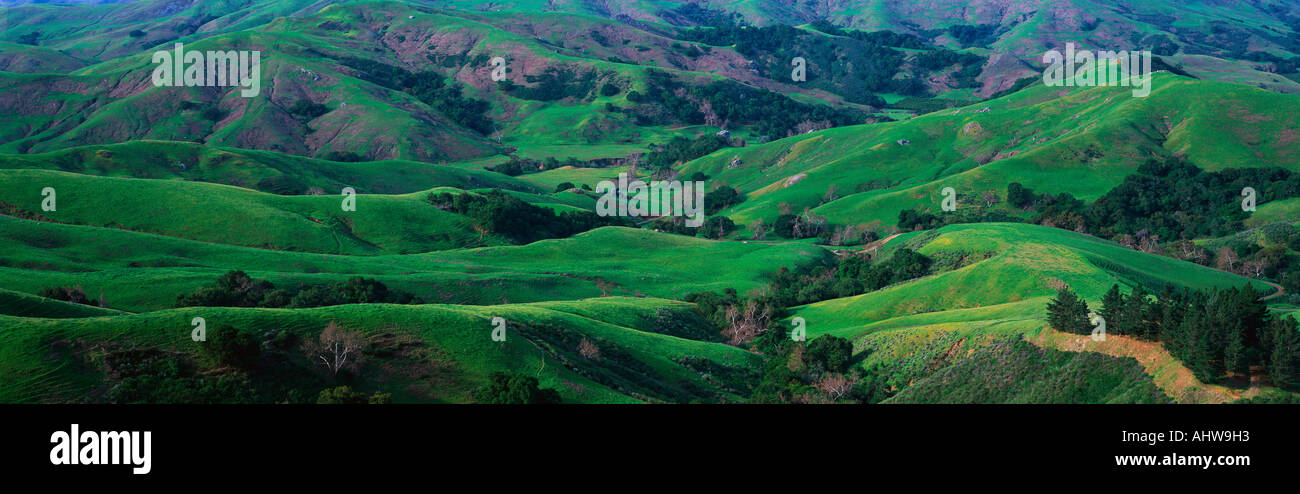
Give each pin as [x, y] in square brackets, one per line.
[355, 62]
[1209, 37]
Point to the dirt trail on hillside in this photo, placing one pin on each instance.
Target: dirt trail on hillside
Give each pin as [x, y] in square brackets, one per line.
[871, 247]
[1280, 292]
[1169, 374]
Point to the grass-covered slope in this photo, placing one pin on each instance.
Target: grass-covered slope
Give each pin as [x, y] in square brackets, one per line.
[140, 272]
[446, 354]
[1029, 263]
[27, 305]
[266, 171]
[1016, 371]
[1080, 141]
[232, 216]
[913, 329]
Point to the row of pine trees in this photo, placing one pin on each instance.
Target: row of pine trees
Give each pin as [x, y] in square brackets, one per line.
[1212, 332]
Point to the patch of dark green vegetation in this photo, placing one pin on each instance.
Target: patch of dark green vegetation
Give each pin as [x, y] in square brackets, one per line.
[554, 84]
[513, 388]
[728, 103]
[975, 35]
[751, 318]
[74, 294]
[242, 366]
[680, 150]
[1217, 334]
[431, 88]
[820, 371]
[520, 166]
[856, 64]
[521, 222]
[1169, 198]
[237, 289]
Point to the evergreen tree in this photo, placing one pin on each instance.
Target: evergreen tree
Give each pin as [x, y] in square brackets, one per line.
[1112, 305]
[1286, 353]
[1173, 308]
[1207, 362]
[1236, 357]
[1252, 313]
[1150, 329]
[1134, 314]
[1069, 313]
[1184, 344]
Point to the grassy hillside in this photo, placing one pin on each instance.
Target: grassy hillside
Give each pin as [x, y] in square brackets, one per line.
[1012, 286]
[1016, 371]
[228, 215]
[162, 192]
[447, 351]
[262, 170]
[912, 329]
[1080, 141]
[140, 272]
[27, 305]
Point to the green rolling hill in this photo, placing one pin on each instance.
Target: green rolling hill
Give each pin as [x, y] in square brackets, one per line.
[182, 202]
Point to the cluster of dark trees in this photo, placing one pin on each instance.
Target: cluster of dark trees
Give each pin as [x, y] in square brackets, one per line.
[513, 388]
[1212, 332]
[148, 375]
[680, 150]
[717, 227]
[32, 38]
[431, 88]
[74, 294]
[911, 220]
[857, 64]
[306, 110]
[519, 166]
[848, 276]
[812, 225]
[345, 395]
[239, 366]
[770, 114]
[818, 371]
[753, 317]
[974, 35]
[1280, 65]
[503, 214]
[942, 58]
[721, 198]
[237, 289]
[1170, 198]
[556, 83]
[207, 111]
[152, 376]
